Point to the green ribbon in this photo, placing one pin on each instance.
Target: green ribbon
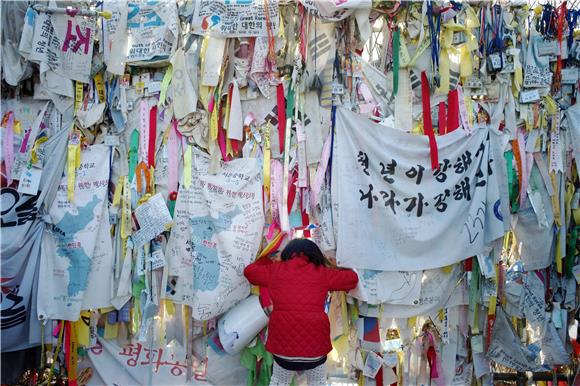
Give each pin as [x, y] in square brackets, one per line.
[474, 292]
[171, 207]
[512, 181]
[133, 154]
[249, 359]
[396, 48]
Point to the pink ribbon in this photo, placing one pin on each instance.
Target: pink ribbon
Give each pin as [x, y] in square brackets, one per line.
[173, 163]
[276, 182]
[9, 147]
[526, 160]
[144, 131]
[320, 173]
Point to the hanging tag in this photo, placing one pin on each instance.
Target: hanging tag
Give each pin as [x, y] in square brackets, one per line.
[30, 181]
[529, 96]
[473, 82]
[458, 38]
[546, 47]
[569, 75]
[113, 213]
[495, 62]
[140, 263]
[112, 140]
[153, 88]
[337, 89]
[477, 344]
[157, 259]
[139, 88]
[556, 163]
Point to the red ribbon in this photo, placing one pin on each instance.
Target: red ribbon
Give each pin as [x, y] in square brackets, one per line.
[561, 19]
[305, 217]
[281, 115]
[379, 376]
[452, 110]
[152, 136]
[292, 191]
[427, 124]
[442, 118]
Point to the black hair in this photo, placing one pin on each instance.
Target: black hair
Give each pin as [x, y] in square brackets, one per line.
[297, 247]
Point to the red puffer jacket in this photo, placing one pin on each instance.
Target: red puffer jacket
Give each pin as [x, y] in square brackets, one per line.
[298, 325]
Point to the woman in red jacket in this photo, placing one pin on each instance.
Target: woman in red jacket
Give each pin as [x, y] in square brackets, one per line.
[299, 330]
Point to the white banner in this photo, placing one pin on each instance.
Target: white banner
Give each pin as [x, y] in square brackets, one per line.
[138, 364]
[398, 215]
[438, 290]
[216, 233]
[376, 287]
[69, 243]
[237, 18]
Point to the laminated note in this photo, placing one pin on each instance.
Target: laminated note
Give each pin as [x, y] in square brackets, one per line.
[153, 217]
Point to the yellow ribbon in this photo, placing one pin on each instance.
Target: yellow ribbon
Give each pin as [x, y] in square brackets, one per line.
[78, 95]
[73, 162]
[38, 142]
[164, 85]
[213, 123]
[100, 85]
[266, 165]
[271, 245]
[82, 328]
[187, 167]
[126, 210]
[118, 191]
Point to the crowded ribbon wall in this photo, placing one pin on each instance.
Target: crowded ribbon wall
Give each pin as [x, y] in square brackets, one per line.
[151, 150]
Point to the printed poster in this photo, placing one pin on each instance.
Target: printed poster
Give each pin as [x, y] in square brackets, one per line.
[63, 44]
[69, 242]
[419, 218]
[152, 28]
[218, 223]
[234, 18]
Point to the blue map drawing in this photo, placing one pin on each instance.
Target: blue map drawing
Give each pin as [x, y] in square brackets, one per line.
[206, 266]
[369, 274]
[79, 262]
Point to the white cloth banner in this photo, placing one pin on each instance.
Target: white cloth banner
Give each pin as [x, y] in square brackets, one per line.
[438, 290]
[225, 18]
[138, 364]
[375, 287]
[401, 215]
[69, 242]
[99, 286]
[216, 233]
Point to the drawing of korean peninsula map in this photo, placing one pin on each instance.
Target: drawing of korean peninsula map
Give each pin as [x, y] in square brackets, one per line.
[69, 241]
[217, 229]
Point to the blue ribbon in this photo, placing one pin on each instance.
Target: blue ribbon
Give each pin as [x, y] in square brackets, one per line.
[434, 34]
